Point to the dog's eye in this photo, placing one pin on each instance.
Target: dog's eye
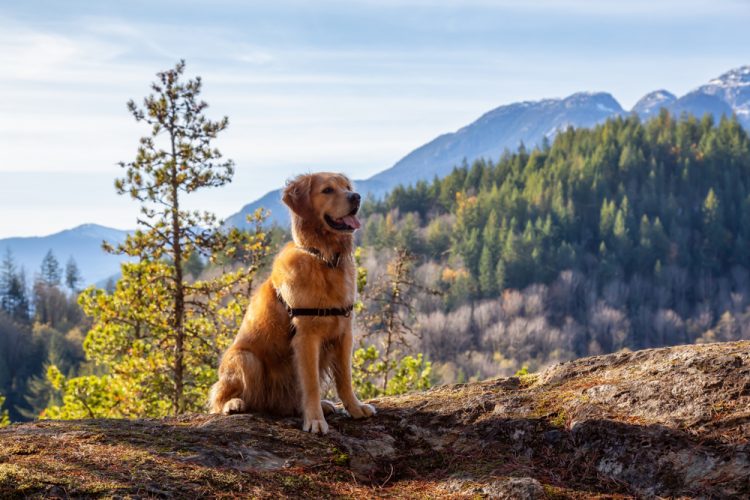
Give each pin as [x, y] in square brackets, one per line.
[328, 190]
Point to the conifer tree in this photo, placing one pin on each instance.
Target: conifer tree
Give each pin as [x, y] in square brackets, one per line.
[713, 232]
[13, 296]
[72, 275]
[487, 273]
[50, 273]
[157, 334]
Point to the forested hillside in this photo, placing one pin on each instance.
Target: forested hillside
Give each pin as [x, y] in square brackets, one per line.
[627, 235]
[624, 236]
[39, 327]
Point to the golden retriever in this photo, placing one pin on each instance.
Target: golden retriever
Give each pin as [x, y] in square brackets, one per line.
[298, 327]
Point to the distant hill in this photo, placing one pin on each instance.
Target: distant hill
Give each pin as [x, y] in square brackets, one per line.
[83, 243]
[531, 122]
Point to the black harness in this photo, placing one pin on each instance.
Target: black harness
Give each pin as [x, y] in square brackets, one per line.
[315, 311]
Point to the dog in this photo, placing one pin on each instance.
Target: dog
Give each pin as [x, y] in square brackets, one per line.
[298, 327]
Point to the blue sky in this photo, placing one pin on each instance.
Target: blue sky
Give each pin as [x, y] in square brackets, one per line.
[326, 85]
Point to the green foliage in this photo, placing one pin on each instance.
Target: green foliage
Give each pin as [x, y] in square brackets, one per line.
[133, 343]
[369, 368]
[4, 420]
[88, 397]
[523, 371]
[158, 334]
[28, 344]
[612, 200]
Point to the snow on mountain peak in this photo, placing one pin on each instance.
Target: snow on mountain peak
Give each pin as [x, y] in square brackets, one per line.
[738, 77]
[651, 103]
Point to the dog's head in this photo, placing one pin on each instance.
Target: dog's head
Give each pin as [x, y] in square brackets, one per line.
[324, 199]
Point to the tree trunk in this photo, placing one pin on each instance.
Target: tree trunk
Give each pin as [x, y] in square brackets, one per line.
[179, 295]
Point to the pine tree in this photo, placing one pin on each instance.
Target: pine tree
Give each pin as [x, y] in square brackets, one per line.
[158, 335]
[487, 276]
[714, 235]
[13, 295]
[72, 275]
[490, 235]
[50, 273]
[500, 275]
[175, 160]
[606, 219]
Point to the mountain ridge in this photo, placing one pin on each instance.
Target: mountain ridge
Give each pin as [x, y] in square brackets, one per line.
[82, 243]
[504, 127]
[530, 122]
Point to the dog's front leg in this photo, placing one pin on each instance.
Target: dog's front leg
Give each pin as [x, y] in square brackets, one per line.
[343, 376]
[306, 345]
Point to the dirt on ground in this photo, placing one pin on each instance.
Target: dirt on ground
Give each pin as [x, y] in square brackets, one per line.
[670, 422]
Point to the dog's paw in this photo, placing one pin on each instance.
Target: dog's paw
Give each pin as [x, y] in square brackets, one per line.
[315, 426]
[235, 405]
[361, 410]
[328, 407]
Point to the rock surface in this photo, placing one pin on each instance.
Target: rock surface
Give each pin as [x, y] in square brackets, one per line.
[671, 422]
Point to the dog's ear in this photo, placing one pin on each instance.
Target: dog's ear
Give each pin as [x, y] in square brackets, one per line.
[347, 180]
[297, 194]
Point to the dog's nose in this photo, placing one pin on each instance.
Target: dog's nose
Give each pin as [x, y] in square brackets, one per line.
[354, 197]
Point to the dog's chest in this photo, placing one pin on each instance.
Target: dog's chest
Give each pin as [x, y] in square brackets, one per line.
[339, 286]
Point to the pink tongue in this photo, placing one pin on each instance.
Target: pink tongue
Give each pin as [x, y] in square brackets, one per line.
[352, 221]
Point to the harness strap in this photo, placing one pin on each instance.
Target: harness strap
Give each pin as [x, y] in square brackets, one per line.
[315, 311]
[309, 311]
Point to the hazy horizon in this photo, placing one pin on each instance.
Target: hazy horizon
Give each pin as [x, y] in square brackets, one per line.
[350, 86]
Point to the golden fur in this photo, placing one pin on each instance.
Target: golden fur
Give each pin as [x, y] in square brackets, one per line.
[266, 369]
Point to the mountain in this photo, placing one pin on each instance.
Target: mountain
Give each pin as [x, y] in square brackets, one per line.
[726, 95]
[502, 128]
[650, 104]
[83, 243]
[733, 89]
[506, 127]
[531, 122]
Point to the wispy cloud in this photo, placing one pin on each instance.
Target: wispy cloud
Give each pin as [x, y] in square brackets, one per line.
[331, 84]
